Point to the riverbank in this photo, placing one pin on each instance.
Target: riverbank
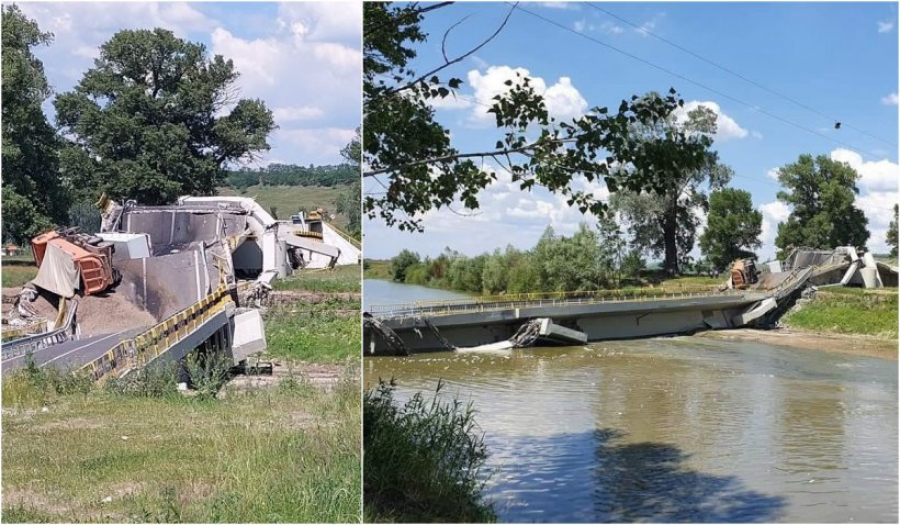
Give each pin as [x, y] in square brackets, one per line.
[851, 311]
[855, 344]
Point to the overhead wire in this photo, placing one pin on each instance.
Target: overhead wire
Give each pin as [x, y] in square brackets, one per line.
[694, 82]
[646, 31]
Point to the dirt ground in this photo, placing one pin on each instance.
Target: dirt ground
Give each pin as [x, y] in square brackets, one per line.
[861, 345]
[323, 376]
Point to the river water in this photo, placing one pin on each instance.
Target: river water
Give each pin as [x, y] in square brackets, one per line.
[673, 429]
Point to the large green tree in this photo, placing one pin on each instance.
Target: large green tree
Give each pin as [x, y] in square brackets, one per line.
[733, 228]
[664, 221]
[892, 232]
[34, 199]
[156, 118]
[404, 143]
[348, 203]
[821, 193]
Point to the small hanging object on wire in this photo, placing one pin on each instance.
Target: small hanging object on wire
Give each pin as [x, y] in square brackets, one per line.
[837, 125]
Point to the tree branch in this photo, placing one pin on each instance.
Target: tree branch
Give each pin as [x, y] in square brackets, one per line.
[457, 156]
[457, 59]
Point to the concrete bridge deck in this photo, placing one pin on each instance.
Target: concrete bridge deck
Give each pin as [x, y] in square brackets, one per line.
[599, 315]
[71, 355]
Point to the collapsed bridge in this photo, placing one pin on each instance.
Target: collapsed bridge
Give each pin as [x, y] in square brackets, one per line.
[190, 272]
[497, 323]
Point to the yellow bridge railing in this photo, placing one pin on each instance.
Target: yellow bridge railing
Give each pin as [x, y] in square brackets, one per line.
[157, 339]
[501, 302]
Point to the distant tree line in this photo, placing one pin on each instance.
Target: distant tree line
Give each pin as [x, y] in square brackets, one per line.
[292, 175]
[588, 260]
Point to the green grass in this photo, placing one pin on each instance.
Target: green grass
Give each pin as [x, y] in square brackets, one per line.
[320, 333]
[375, 269]
[424, 460]
[17, 270]
[288, 199]
[324, 332]
[340, 279]
[849, 311]
[285, 454]
[692, 281]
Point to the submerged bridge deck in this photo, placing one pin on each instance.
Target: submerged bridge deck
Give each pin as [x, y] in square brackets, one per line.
[601, 315]
[775, 286]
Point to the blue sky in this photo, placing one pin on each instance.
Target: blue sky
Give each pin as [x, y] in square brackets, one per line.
[839, 59]
[302, 59]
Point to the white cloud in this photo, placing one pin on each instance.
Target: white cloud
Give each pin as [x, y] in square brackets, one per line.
[879, 183]
[773, 213]
[321, 21]
[886, 26]
[772, 173]
[79, 29]
[308, 67]
[890, 100]
[563, 99]
[572, 6]
[305, 63]
[315, 145]
[727, 127]
[882, 175]
[648, 26]
[606, 27]
[291, 113]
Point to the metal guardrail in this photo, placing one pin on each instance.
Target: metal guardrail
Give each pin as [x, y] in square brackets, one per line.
[494, 303]
[156, 340]
[10, 334]
[455, 306]
[346, 236]
[34, 343]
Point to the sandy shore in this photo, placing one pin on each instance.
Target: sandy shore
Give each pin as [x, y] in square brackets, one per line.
[863, 345]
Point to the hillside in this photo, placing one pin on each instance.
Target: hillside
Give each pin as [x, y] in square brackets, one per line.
[288, 199]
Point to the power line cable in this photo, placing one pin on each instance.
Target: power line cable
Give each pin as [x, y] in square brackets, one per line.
[696, 83]
[738, 75]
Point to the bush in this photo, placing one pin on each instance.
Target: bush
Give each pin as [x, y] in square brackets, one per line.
[149, 381]
[207, 372]
[424, 460]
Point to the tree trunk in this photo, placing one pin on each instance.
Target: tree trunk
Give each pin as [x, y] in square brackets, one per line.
[670, 231]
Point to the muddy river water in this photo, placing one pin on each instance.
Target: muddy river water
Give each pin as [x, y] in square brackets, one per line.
[675, 429]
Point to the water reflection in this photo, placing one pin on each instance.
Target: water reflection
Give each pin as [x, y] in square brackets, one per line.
[679, 429]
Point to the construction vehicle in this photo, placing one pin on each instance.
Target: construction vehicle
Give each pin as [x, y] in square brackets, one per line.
[91, 254]
[743, 274]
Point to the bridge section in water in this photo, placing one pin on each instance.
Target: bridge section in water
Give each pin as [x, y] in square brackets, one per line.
[461, 323]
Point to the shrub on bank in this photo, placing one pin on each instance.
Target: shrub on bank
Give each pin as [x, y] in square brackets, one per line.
[424, 460]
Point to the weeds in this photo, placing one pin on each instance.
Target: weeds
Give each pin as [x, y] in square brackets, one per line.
[33, 386]
[323, 337]
[424, 459]
[340, 279]
[149, 381]
[207, 372]
[848, 311]
[270, 456]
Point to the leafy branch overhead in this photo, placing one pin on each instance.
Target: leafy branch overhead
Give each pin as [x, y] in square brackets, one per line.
[410, 155]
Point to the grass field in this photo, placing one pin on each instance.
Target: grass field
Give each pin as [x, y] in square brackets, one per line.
[341, 279]
[849, 311]
[288, 199]
[17, 270]
[287, 452]
[375, 269]
[324, 332]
